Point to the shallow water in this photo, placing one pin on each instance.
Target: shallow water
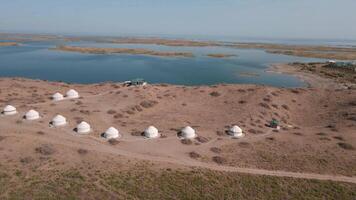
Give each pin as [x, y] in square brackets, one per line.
[35, 60]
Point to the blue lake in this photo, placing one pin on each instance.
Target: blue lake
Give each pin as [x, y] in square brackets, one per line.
[35, 60]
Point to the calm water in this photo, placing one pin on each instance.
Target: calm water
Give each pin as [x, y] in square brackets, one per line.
[34, 60]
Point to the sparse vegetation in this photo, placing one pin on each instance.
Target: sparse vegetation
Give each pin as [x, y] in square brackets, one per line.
[346, 146]
[215, 94]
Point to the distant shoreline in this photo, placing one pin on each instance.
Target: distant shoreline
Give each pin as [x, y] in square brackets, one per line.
[8, 44]
[95, 50]
[308, 51]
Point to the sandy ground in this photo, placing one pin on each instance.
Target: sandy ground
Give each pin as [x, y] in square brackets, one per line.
[316, 125]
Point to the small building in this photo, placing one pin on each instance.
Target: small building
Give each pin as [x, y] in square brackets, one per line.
[9, 110]
[58, 120]
[151, 132]
[32, 115]
[83, 127]
[188, 133]
[236, 132]
[111, 133]
[72, 94]
[57, 97]
[136, 82]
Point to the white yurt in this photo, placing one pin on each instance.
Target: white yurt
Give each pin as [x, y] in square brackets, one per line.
[188, 133]
[111, 133]
[72, 94]
[59, 120]
[236, 131]
[151, 132]
[57, 97]
[32, 115]
[83, 127]
[9, 110]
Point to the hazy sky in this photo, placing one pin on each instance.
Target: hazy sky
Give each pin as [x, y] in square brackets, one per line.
[333, 19]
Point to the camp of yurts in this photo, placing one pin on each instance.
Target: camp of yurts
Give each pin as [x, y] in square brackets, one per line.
[59, 120]
[9, 110]
[83, 127]
[111, 133]
[151, 132]
[188, 133]
[57, 97]
[72, 94]
[236, 131]
[32, 115]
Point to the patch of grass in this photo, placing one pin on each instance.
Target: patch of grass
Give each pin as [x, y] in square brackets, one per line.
[113, 141]
[346, 146]
[215, 150]
[194, 155]
[186, 141]
[219, 160]
[215, 94]
[45, 149]
[82, 151]
[148, 103]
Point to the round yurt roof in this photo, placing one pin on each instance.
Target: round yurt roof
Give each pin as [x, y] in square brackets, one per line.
[72, 93]
[9, 108]
[188, 132]
[111, 133]
[151, 131]
[59, 118]
[83, 125]
[31, 114]
[235, 129]
[57, 96]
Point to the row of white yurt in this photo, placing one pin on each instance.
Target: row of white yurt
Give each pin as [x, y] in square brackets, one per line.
[71, 94]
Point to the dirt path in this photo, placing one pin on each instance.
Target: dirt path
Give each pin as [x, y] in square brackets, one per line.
[188, 162]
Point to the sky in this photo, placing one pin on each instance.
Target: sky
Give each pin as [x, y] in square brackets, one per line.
[314, 19]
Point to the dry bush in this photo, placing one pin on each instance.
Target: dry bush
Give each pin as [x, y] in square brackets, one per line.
[298, 133]
[219, 160]
[26, 160]
[113, 141]
[136, 133]
[321, 134]
[215, 150]
[118, 115]
[148, 103]
[40, 132]
[242, 102]
[270, 138]
[264, 105]
[215, 94]
[339, 138]
[111, 112]
[285, 107]
[82, 151]
[45, 149]
[130, 112]
[186, 141]
[346, 146]
[202, 139]
[244, 144]
[194, 155]
[220, 133]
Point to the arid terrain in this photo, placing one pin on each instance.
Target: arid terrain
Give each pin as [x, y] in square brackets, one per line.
[313, 151]
[5, 44]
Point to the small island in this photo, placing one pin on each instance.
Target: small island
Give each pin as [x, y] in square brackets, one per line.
[95, 50]
[220, 55]
[8, 44]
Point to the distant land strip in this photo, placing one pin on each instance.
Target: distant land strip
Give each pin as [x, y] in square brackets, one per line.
[6, 44]
[95, 50]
